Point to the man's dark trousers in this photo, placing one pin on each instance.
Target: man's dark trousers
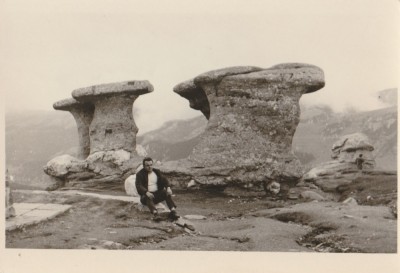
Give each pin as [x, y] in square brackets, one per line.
[159, 196]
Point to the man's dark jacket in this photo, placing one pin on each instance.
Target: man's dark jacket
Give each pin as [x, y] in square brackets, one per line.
[142, 181]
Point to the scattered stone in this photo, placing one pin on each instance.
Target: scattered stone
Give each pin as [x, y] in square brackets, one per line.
[195, 217]
[324, 236]
[111, 244]
[293, 196]
[312, 186]
[191, 184]
[274, 187]
[350, 201]
[244, 239]
[184, 224]
[311, 195]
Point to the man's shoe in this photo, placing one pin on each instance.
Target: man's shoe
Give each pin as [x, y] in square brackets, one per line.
[173, 216]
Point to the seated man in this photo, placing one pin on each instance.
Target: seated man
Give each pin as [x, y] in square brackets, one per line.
[154, 188]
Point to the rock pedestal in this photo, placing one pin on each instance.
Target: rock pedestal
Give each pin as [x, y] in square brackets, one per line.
[107, 133]
[253, 115]
[83, 114]
[113, 127]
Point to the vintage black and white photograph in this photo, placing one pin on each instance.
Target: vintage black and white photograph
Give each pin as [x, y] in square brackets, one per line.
[200, 128]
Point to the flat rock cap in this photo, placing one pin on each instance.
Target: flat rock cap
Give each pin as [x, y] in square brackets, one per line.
[353, 142]
[67, 104]
[187, 88]
[219, 74]
[310, 77]
[134, 88]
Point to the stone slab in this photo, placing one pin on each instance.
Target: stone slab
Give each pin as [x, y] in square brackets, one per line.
[76, 192]
[103, 196]
[33, 213]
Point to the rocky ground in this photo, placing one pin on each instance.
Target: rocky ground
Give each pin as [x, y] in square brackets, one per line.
[224, 222]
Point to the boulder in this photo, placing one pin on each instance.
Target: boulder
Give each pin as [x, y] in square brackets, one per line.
[61, 166]
[311, 195]
[195, 217]
[130, 186]
[350, 201]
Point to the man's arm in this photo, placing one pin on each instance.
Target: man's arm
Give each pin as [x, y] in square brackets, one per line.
[164, 181]
[139, 184]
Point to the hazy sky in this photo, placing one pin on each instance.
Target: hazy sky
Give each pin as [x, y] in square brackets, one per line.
[49, 48]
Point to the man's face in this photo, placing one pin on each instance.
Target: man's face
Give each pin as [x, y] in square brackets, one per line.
[148, 166]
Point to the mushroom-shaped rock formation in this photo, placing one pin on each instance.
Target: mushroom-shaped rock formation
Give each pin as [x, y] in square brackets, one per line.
[253, 115]
[83, 114]
[343, 168]
[348, 147]
[10, 210]
[107, 129]
[113, 127]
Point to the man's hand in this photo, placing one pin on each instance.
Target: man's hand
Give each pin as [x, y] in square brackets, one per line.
[150, 195]
[169, 191]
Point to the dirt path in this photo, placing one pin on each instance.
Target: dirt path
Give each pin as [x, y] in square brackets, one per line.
[230, 224]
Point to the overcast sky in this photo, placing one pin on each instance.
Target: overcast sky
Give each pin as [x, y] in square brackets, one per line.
[49, 48]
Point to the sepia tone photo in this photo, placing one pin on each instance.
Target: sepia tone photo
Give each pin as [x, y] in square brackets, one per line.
[223, 134]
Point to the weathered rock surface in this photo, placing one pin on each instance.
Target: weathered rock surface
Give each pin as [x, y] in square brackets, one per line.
[100, 170]
[195, 95]
[311, 195]
[351, 146]
[113, 126]
[83, 115]
[253, 115]
[107, 134]
[343, 169]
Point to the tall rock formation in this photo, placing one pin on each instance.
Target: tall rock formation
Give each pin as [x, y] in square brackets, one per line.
[253, 114]
[107, 133]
